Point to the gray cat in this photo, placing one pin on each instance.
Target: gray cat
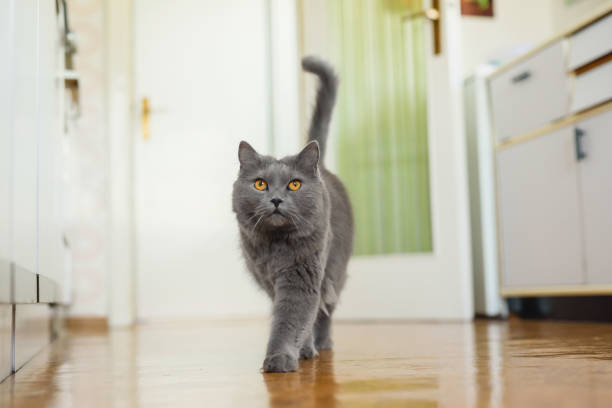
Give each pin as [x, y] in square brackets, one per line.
[296, 233]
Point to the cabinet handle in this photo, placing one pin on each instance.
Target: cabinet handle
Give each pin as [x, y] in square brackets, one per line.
[578, 135]
[521, 77]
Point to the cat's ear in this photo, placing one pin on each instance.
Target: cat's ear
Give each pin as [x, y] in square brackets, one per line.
[247, 155]
[308, 158]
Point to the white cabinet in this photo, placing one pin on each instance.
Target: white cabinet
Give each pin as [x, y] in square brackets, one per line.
[24, 163]
[49, 228]
[5, 159]
[555, 207]
[590, 43]
[539, 212]
[592, 88]
[30, 146]
[552, 114]
[31, 233]
[535, 90]
[31, 245]
[595, 178]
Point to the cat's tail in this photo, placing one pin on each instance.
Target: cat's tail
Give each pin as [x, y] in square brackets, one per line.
[326, 99]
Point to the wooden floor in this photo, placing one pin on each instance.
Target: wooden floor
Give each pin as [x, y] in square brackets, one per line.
[486, 364]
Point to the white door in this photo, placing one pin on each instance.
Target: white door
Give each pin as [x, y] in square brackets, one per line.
[24, 133]
[50, 233]
[202, 65]
[436, 284]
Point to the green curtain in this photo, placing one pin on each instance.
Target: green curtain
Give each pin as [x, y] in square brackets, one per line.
[381, 123]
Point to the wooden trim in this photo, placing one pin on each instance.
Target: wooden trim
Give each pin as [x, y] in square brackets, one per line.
[566, 121]
[593, 64]
[570, 290]
[601, 13]
[87, 324]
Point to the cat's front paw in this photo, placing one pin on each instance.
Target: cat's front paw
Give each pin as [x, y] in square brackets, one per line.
[308, 351]
[280, 363]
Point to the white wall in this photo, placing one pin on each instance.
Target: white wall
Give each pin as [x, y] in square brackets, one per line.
[313, 13]
[566, 15]
[285, 68]
[518, 25]
[88, 165]
[515, 23]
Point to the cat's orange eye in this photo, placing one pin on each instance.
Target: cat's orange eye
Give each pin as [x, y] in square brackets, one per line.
[294, 185]
[260, 184]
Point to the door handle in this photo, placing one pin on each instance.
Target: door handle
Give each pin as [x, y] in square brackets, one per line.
[144, 119]
[578, 135]
[432, 14]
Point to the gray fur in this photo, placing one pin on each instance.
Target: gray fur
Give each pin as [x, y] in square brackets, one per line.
[326, 99]
[299, 256]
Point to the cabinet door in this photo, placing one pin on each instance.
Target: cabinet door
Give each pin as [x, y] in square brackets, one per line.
[25, 121]
[595, 171]
[539, 212]
[50, 248]
[6, 125]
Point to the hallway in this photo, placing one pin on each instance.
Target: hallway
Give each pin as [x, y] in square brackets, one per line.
[216, 364]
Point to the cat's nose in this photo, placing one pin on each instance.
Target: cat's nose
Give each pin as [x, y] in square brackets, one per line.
[276, 201]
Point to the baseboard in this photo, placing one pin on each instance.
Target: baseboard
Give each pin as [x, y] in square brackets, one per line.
[94, 324]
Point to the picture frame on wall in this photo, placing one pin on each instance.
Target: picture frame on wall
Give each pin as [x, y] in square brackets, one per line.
[483, 8]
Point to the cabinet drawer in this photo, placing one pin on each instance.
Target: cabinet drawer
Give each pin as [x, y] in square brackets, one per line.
[590, 43]
[592, 87]
[539, 212]
[530, 94]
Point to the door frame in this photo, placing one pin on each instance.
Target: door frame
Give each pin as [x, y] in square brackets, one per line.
[435, 285]
[123, 114]
[121, 296]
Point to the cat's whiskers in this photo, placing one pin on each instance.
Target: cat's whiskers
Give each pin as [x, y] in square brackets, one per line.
[260, 218]
[292, 220]
[251, 217]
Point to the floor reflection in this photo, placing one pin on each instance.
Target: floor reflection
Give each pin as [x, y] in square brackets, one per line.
[488, 351]
[484, 364]
[12, 391]
[313, 385]
[316, 384]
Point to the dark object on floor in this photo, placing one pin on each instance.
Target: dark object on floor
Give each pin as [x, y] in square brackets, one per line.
[579, 308]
